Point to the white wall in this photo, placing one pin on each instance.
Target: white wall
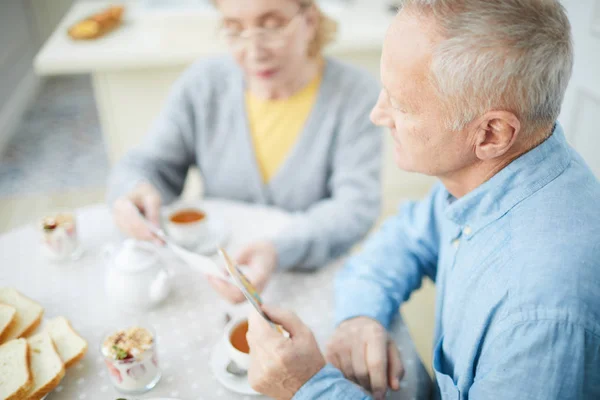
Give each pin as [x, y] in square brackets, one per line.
[582, 101]
[24, 26]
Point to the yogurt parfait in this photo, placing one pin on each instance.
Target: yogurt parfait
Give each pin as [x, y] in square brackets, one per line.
[131, 358]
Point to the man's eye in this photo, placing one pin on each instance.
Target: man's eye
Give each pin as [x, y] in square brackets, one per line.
[396, 106]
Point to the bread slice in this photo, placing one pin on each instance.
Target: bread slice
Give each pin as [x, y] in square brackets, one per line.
[15, 378]
[28, 317]
[7, 319]
[71, 347]
[46, 367]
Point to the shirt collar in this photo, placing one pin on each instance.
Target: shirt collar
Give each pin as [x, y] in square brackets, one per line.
[517, 181]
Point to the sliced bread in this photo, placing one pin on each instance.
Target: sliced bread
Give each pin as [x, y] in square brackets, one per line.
[45, 365]
[28, 317]
[7, 319]
[15, 378]
[71, 347]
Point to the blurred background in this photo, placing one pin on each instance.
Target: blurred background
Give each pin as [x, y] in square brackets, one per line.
[70, 109]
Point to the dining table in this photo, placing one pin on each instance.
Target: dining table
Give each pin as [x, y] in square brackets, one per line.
[191, 320]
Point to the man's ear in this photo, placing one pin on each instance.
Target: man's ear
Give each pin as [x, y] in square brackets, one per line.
[496, 133]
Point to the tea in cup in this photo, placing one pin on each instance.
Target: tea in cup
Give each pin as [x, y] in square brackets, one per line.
[237, 345]
[188, 226]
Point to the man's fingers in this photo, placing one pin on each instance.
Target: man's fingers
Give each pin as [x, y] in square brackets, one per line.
[255, 324]
[261, 331]
[376, 357]
[334, 360]
[395, 366]
[359, 365]
[287, 319]
[347, 367]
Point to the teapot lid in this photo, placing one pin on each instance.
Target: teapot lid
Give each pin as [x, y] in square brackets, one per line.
[135, 256]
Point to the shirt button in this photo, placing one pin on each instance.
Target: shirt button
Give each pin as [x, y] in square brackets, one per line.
[455, 243]
[467, 230]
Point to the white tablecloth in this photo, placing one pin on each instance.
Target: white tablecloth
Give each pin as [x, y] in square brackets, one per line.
[192, 319]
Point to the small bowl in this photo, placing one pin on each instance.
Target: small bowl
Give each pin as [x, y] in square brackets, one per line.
[137, 375]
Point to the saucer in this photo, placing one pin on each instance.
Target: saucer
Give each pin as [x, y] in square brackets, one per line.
[219, 234]
[218, 364]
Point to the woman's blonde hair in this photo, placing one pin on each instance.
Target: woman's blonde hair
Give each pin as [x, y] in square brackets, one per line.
[326, 28]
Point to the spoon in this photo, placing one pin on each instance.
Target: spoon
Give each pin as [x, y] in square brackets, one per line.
[235, 369]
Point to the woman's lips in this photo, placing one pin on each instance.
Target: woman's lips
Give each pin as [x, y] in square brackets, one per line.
[266, 73]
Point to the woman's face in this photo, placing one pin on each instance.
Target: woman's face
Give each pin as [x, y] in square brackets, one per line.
[268, 38]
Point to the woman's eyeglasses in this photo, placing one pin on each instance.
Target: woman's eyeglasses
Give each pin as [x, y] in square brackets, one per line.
[269, 37]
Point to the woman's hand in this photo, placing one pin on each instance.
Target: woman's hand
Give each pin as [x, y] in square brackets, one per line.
[130, 210]
[260, 259]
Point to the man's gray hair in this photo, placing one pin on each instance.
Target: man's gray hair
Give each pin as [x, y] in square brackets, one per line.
[514, 55]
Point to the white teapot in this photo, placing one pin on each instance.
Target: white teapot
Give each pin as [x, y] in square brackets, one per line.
[136, 278]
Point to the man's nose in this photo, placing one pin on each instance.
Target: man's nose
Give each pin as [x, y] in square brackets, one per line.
[379, 114]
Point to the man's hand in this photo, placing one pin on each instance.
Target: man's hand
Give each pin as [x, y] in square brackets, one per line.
[362, 349]
[144, 199]
[280, 366]
[261, 260]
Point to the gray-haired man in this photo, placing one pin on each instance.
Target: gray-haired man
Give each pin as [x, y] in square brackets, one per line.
[511, 235]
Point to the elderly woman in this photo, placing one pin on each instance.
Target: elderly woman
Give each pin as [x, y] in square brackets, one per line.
[278, 124]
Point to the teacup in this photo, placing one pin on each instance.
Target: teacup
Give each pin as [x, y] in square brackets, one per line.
[188, 225]
[237, 345]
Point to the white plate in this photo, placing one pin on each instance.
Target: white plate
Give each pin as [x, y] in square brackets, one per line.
[218, 364]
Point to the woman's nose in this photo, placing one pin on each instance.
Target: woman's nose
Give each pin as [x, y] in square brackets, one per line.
[254, 49]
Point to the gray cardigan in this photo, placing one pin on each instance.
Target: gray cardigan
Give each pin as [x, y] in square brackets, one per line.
[330, 180]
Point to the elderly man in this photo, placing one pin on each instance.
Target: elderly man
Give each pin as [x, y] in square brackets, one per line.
[511, 235]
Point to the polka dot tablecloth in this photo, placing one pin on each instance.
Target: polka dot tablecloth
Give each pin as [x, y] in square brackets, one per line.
[192, 319]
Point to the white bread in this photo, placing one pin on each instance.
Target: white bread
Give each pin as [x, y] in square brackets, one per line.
[70, 346]
[29, 313]
[15, 378]
[7, 319]
[46, 367]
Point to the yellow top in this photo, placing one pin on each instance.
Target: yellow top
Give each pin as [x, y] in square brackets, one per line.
[275, 125]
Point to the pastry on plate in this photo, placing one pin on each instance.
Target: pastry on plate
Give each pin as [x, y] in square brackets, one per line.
[97, 25]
